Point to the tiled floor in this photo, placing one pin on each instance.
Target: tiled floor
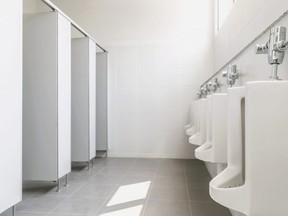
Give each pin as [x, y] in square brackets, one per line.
[125, 187]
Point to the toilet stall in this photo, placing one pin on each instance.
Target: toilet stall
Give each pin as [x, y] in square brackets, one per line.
[83, 100]
[101, 101]
[11, 104]
[47, 97]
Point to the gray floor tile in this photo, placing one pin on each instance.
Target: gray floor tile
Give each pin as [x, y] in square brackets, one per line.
[80, 206]
[170, 172]
[171, 163]
[196, 168]
[39, 203]
[141, 172]
[8, 212]
[197, 184]
[105, 179]
[30, 214]
[208, 209]
[114, 171]
[197, 165]
[173, 181]
[27, 195]
[134, 208]
[192, 162]
[146, 163]
[68, 190]
[197, 173]
[136, 179]
[79, 178]
[124, 162]
[103, 161]
[98, 166]
[59, 214]
[168, 193]
[95, 190]
[167, 208]
[84, 171]
[199, 195]
[171, 187]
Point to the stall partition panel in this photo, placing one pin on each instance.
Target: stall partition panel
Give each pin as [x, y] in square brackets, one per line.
[11, 104]
[80, 97]
[83, 99]
[92, 98]
[64, 96]
[101, 101]
[46, 95]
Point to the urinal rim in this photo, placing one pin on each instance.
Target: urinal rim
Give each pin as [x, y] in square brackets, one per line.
[266, 81]
[206, 149]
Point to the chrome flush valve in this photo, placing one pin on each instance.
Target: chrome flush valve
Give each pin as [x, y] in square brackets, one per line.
[213, 85]
[203, 91]
[231, 74]
[198, 94]
[275, 48]
[208, 88]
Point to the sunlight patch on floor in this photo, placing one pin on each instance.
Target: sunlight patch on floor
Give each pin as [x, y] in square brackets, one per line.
[132, 211]
[129, 193]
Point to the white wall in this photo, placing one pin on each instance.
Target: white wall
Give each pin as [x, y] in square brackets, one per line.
[159, 53]
[32, 6]
[248, 19]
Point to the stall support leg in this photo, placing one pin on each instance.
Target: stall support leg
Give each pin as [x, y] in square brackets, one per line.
[13, 211]
[66, 180]
[58, 185]
[88, 162]
[93, 162]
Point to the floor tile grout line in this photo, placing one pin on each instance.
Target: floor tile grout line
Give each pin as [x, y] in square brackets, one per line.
[68, 214]
[132, 166]
[66, 197]
[109, 197]
[84, 184]
[37, 193]
[27, 198]
[107, 165]
[36, 212]
[59, 205]
[149, 192]
[187, 191]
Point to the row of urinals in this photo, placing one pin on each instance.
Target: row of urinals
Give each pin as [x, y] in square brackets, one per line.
[247, 129]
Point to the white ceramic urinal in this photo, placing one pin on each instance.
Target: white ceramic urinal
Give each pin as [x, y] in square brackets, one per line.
[186, 127]
[193, 114]
[200, 135]
[255, 181]
[214, 150]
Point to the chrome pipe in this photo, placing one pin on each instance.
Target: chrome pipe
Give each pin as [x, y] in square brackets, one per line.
[53, 7]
